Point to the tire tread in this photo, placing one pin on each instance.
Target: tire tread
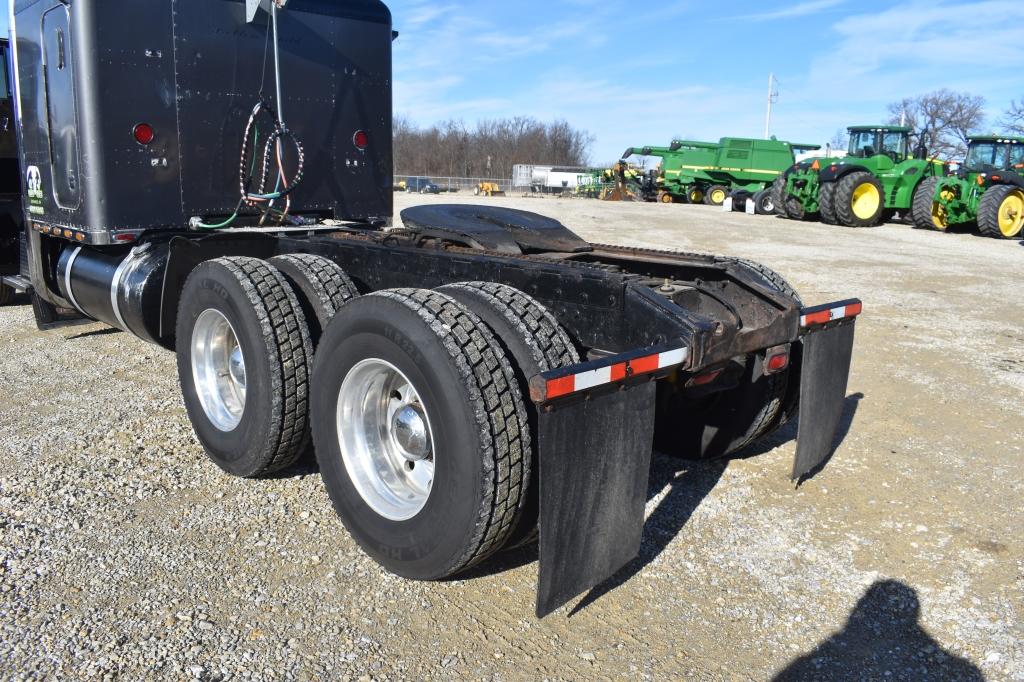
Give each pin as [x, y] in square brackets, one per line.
[325, 281]
[283, 325]
[988, 210]
[500, 413]
[843, 199]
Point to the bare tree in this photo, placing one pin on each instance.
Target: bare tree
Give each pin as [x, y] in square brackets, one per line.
[944, 118]
[840, 140]
[1013, 118]
[490, 149]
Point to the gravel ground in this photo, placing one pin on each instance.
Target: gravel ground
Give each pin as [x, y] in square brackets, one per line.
[124, 553]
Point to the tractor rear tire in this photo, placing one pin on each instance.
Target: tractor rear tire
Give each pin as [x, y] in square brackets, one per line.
[859, 200]
[923, 213]
[440, 485]
[724, 423]
[794, 209]
[535, 342]
[1001, 212]
[321, 286]
[826, 203]
[778, 190]
[716, 195]
[243, 362]
[695, 195]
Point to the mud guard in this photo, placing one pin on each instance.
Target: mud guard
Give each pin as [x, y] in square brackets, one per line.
[595, 458]
[825, 371]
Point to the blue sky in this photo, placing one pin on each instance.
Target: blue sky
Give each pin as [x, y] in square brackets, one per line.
[639, 73]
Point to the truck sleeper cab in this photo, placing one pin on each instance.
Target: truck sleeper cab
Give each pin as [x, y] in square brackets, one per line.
[479, 378]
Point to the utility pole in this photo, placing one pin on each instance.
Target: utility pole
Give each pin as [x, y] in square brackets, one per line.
[773, 97]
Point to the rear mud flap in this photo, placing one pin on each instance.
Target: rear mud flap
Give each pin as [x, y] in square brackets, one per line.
[595, 458]
[823, 379]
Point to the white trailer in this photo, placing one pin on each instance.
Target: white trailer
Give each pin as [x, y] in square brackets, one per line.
[547, 179]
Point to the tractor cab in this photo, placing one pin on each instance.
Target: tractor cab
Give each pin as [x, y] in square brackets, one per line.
[891, 141]
[1001, 153]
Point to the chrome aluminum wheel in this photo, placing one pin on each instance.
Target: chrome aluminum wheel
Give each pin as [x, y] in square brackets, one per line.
[386, 441]
[218, 370]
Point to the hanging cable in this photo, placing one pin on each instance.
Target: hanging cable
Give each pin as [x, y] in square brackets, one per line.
[273, 152]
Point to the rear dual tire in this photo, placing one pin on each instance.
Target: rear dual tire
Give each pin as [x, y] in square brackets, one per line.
[244, 354]
[535, 343]
[246, 332]
[478, 446]
[469, 371]
[723, 423]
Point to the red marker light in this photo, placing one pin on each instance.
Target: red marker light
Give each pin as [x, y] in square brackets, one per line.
[777, 363]
[361, 140]
[144, 133]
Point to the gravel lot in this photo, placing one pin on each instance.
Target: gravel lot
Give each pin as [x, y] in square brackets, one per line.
[125, 553]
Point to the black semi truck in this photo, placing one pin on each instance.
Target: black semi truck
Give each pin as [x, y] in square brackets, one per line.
[12, 243]
[215, 176]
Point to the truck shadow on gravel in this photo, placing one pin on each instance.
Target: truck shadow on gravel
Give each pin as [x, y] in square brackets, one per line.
[882, 639]
[105, 331]
[689, 483]
[788, 433]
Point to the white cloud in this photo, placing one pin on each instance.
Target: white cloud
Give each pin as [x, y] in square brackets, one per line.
[802, 9]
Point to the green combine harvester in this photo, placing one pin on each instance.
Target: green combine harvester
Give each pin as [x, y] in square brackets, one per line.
[987, 190]
[684, 166]
[709, 172]
[880, 176]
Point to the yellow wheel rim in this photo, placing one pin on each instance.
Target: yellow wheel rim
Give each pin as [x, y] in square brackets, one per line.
[696, 196]
[866, 200]
[666, 198]
[718, 196]
[940, 219]
[1011, 214]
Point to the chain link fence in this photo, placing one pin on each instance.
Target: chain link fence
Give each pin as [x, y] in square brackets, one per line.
[432, 184]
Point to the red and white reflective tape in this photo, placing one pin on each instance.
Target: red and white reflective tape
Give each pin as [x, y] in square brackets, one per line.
[574, 383]
[831, 314]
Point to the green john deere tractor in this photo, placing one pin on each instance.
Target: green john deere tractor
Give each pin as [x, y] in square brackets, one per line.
[878, 177]
[988, 189]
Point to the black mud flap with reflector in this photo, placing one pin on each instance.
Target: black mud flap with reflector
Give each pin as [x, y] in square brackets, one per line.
[595, 459]
[596, 433]
[827, 351]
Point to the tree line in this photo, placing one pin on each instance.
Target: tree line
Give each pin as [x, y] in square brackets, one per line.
[489, 149]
